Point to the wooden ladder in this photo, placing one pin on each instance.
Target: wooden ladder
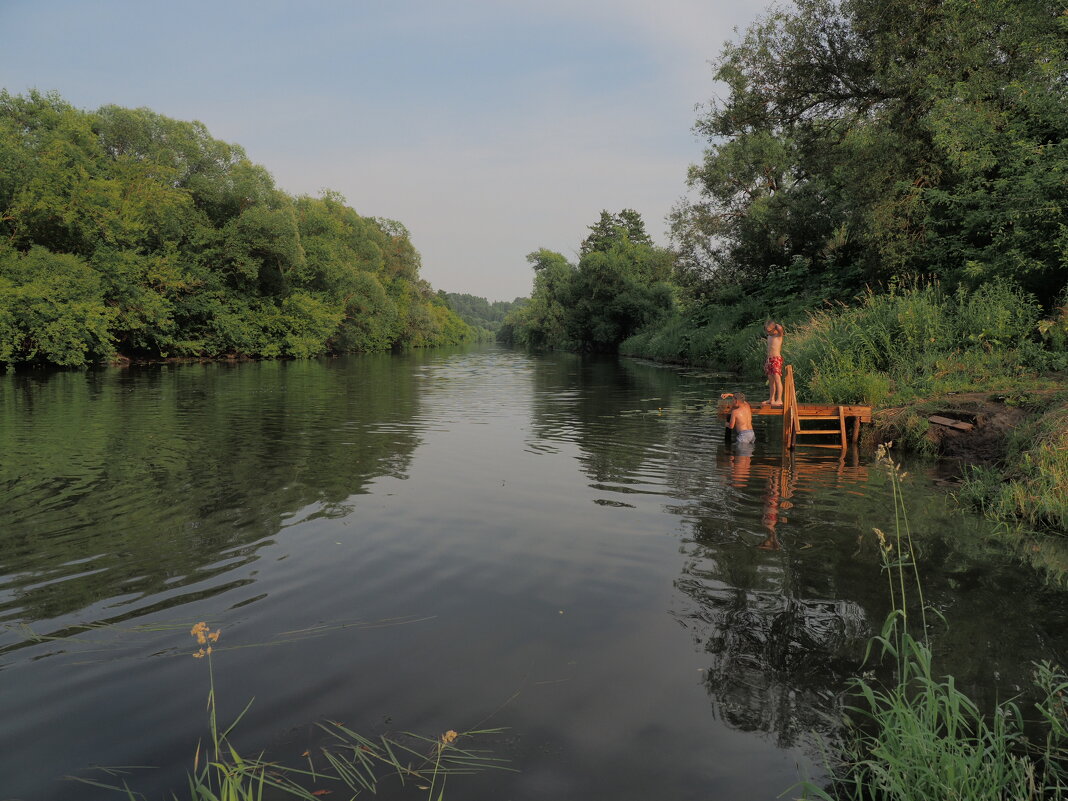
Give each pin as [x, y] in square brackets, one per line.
[791, 418]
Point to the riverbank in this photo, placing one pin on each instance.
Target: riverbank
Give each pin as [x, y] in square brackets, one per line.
[1010, 455]
[990, 359]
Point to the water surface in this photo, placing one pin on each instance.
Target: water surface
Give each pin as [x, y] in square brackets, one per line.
[557, 545]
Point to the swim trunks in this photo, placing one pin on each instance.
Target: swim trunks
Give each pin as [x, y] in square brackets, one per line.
[773, 366]
[746, 437]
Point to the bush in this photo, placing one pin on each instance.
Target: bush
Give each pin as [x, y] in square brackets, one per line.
[53, 309]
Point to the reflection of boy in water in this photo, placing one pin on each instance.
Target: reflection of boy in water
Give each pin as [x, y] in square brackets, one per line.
[771, 515]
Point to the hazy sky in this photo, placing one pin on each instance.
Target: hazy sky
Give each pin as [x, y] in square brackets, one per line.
[490, 129]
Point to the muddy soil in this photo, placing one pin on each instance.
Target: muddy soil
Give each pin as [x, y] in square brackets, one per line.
[992, 419]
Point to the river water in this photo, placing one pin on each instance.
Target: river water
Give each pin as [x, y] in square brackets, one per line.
[558, 546]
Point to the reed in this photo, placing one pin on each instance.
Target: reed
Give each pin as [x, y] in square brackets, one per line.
[919, 736]
[349, 760]
[915, 340]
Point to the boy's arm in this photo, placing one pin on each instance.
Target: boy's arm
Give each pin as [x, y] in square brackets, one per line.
[734, 419]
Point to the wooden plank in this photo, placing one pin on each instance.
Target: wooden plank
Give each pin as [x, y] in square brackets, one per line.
[807, 410]
[959, 425]
[789, 409]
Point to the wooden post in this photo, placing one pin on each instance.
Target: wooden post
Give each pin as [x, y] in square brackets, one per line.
[789, 409]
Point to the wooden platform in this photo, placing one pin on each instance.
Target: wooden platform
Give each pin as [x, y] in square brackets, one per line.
[835, 418]
[812, 410]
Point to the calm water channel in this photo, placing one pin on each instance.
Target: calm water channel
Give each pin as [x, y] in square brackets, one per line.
[560, 546]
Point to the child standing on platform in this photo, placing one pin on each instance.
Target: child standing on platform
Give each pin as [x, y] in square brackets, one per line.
[773, 362]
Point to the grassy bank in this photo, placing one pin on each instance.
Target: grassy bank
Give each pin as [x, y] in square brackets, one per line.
[1031, 484]
[912, 351]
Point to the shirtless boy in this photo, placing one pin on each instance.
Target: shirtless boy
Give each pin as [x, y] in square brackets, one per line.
[773, 363]
[742, 420]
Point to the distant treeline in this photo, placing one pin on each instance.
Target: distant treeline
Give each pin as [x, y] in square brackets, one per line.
[124, 232]
[620, 284]
[862, 147]
[478, 312]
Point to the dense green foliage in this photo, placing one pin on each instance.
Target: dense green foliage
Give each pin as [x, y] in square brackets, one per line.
[620, 284]
[861, 144]
[478, 312]
[862, 140]
[125, 232]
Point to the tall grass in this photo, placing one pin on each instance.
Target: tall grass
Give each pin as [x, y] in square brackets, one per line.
[920, 736]
[912, 339]
[916, 340]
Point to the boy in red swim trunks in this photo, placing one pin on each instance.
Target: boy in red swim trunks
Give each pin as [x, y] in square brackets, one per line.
[773, 363]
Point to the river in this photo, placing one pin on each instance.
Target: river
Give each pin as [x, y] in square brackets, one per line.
[557, 546]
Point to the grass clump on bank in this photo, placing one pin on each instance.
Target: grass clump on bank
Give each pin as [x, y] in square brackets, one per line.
[919, 736]
[1033, 484]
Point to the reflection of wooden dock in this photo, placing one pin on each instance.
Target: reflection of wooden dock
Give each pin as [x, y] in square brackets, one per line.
[834, 418]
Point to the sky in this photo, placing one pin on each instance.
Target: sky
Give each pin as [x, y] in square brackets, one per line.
[490, 129]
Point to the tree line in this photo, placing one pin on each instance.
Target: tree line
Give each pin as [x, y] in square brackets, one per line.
[620, 283]
[126, 233]
[861, 144]
[478, 312]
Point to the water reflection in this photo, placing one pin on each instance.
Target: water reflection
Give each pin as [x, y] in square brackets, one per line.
[544, 524]
[782, 582]
[130, 490]
[779, 655]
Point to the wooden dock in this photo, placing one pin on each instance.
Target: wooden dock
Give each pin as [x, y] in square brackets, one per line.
[832, 419]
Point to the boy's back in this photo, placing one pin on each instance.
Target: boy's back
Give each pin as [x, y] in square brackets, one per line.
[741, 416]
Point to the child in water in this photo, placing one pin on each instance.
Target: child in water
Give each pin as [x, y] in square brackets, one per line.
[773, 363]
[741, 421]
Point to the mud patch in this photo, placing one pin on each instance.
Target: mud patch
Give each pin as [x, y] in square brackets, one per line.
[986, 442]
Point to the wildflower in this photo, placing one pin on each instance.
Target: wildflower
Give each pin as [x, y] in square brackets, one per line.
[886, 546]
[200, 631]
[449, 736]
[203, 636]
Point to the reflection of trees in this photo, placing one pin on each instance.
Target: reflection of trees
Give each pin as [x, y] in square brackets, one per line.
[782, 583]
[609, 408]
[781, 638]
[125, 484]
[777, 663]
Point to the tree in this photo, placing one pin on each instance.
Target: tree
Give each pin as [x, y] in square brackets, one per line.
[158, 240]
[620, 284]
[867, 138]
[610, 228]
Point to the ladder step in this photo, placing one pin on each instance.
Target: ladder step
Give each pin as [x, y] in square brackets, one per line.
[834, 431]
